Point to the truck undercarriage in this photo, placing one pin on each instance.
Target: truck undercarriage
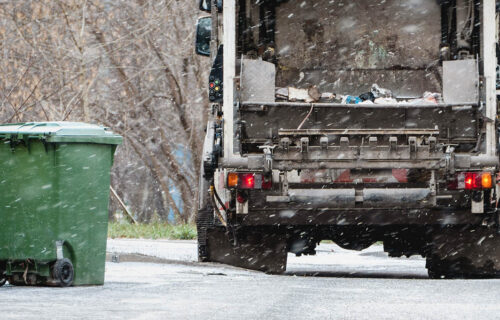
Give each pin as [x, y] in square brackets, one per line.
[306, 145]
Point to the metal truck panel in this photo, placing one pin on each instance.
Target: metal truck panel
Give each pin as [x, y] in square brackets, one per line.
[345, 47]
[257, 80]
[451, 123]
[460, 81]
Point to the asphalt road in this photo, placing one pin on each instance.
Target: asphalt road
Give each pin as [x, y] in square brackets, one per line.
[335, 284]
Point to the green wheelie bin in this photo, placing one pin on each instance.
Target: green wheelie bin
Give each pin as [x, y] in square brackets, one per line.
[54, 196]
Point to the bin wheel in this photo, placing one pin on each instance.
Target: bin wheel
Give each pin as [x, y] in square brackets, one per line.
[63, 272]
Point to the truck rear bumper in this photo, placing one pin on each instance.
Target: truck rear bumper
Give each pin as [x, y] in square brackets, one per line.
[361, 216]
[369, 197]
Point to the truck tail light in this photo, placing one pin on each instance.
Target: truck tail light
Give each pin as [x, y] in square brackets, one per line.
[248, 180]
[472, 181]
[486, 181]
[232, 179]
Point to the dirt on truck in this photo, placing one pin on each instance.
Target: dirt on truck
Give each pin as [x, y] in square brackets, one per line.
[355, 122]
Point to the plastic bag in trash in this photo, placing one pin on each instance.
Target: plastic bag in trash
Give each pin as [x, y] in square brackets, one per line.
[367, 96]
[380, 92]
[351, 100]
[428, 98]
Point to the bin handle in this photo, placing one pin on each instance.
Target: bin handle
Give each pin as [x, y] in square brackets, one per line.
[59, 249]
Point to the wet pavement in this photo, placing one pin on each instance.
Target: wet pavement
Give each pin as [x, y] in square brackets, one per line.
[334, 284]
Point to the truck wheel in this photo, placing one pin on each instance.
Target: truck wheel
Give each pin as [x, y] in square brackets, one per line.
[63, 272]
[473, 252]
[444, 269]
[255, 248]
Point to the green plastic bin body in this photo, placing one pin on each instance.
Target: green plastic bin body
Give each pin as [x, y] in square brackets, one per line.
[54, 195]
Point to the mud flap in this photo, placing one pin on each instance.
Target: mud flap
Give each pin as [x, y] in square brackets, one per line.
[204, 221]
[262, 249]
[465, 253]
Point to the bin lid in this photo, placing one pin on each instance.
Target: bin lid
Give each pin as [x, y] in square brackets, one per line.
[60, 132]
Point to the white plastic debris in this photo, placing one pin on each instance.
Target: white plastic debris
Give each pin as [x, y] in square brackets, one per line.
[385, 101]
[312, 94]
[379, 92]
[427, 98]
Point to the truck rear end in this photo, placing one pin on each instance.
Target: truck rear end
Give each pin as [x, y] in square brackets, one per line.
[354, 122]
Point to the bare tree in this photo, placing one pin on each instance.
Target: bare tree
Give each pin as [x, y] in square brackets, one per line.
[128, 65]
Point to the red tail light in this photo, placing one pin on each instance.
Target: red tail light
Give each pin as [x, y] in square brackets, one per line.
[249, 180]
[471, 181]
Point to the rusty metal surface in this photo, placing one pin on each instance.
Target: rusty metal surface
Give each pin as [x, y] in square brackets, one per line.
[339, 153]
[285, 165]
[310, 132]
[452, 123]
[345, 47]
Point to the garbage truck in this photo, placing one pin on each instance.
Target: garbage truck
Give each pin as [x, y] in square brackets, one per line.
[355, 122]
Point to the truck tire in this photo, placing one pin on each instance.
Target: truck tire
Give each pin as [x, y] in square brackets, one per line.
[472, 252]
[255, 248]
[438, 268]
